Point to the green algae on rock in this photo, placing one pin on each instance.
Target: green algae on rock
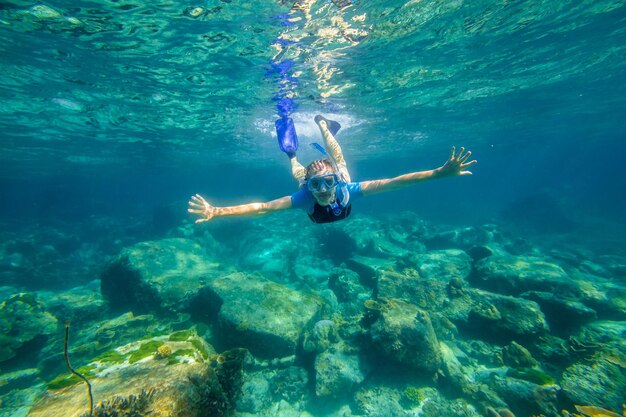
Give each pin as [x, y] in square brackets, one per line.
[182, 385]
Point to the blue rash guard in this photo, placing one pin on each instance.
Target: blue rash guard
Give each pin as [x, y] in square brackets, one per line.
[303, 199]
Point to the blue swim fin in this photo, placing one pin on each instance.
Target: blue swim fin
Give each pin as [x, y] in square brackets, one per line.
[333, 126]
[287, 138]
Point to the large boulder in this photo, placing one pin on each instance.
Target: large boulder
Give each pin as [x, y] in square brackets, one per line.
[337, 374]
[563, 313]
[425, 279]
[513, 275]
[79, 304]
[403, 333]
[162, 276]
[497, 317]
[261, 315]
[601, 382]
[159, 377]
[526, 398]
[23, 318]
[444, 265]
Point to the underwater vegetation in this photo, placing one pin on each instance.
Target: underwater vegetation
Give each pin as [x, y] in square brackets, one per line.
[131, 406]
[458, 330]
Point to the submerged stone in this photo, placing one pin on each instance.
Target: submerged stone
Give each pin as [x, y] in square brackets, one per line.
[261, 315]
[77, 304]
[463, 238]
[601, 382]
[526, 398]
[404, 334]
[179, 383]
[337, 374]
[562, 313]
[444, 265]
[513, 275]
[378, 402]
[22, 319]
[517, 356]
[21, 379]
[497, 317]
[158, 276]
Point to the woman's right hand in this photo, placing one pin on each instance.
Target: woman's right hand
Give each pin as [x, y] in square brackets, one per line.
[199, 206]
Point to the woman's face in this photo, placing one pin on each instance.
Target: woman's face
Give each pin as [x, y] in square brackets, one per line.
[325, 196]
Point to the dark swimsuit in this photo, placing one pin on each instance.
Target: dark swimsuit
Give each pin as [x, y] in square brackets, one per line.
[325, 214]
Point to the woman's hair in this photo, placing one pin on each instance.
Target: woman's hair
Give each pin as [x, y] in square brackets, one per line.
[318, 166]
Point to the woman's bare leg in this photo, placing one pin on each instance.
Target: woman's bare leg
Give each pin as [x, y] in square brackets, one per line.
[333, 148]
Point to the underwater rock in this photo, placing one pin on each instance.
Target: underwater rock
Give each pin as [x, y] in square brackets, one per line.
[263, 316]
[320, 337]
[290, 384]
[607, 298]
[134, 377]
[98, 337]
[163, 276]
[497, 317]
[616, 265]
[269, 254]
[443, 265]
[425, 279]
[517, 356]
[255, 392]
[405, 285]
[480, 252]
[23, 318]
[526, 398]
[280, 408]
[346, 284]
[78, 304]
[455, 377]
[593, 268]
[513, 275]
[563, 314]
[601, 381]
[309, 270]
[378, 402]
[604, 333]
[517, 316]
[15, 380]
[404, 334]
[378, 239]
[463, 238]
[368, 268]
[337, 374]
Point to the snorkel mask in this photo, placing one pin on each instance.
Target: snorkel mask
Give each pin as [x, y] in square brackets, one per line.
[326, 181]
[321, 183]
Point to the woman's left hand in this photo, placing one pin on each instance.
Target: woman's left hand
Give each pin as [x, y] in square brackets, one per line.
[456, 164]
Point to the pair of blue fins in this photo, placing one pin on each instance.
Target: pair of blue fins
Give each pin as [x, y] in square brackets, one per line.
[288, 139]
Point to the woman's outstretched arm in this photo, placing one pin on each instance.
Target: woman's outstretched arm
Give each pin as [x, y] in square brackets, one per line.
[454, 166]
[199, 206]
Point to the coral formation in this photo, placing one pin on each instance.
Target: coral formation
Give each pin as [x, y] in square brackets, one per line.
[163, 352]
[131, 406]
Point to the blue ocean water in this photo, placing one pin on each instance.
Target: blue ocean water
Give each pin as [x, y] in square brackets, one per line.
[115, 112]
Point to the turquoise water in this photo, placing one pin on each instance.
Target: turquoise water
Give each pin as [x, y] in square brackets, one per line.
[114, 113]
